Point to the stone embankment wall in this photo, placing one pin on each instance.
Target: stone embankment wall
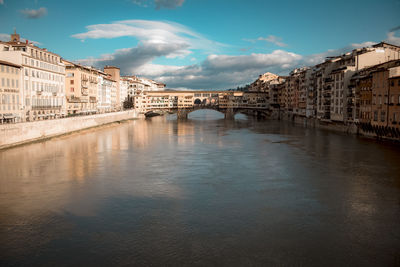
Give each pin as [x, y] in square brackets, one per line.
[20, 133]
[350, 128]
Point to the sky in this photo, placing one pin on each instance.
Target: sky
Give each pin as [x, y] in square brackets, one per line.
[201, 44]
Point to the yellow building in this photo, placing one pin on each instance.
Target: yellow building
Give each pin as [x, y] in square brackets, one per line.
[10, 92]
[81, 85]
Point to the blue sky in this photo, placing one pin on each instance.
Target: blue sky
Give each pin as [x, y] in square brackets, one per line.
[201, 44]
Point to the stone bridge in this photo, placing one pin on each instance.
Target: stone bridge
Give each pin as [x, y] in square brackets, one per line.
[184, 102]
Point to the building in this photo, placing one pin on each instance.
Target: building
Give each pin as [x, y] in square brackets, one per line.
[123, 90]
[115, 75]
[107, 87]
[42, 78]
[81, 88]
[11, 109]
[394, 97]
[135, 86]
[150, 85]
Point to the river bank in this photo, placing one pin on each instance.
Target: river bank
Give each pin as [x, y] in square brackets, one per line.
[21, 133]
[368, 131]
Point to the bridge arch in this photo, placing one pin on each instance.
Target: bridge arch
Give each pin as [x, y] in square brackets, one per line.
[184, 112]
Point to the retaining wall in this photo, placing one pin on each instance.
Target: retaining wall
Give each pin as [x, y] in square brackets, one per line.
[20, 133]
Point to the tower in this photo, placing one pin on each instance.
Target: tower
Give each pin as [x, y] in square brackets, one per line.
[15, 37]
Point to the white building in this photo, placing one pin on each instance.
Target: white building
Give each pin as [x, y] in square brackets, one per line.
[123, 90]
[43, 78]
[105, 87]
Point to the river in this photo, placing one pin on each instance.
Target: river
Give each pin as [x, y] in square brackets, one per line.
[204, 192]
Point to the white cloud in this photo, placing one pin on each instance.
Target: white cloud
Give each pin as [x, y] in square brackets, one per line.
[1, 2]
[272, 39]
[361, 45]
[142, 3]
[152, 31]
[156, 39]
[392, 39]
[168, 3]
[34, 13]
[222, 71]
[131, 59]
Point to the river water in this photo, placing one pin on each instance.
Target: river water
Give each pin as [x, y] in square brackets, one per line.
[205, 192]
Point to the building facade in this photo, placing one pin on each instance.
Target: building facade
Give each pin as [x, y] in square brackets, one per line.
[115, 75]
[42, 79]
[10, 92]
[81, 84]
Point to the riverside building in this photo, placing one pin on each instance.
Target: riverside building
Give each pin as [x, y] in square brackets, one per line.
[10, 92]
[108, 89]
[42, 79]
[114, 75]
[81, 84]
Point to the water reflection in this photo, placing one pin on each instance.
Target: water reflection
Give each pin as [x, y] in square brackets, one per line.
[205, 191]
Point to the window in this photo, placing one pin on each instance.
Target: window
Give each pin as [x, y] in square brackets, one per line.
[72, 89]
[383, 113]
[72, 82]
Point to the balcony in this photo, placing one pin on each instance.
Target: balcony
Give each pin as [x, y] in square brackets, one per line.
[85, 92]
[73, 99]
